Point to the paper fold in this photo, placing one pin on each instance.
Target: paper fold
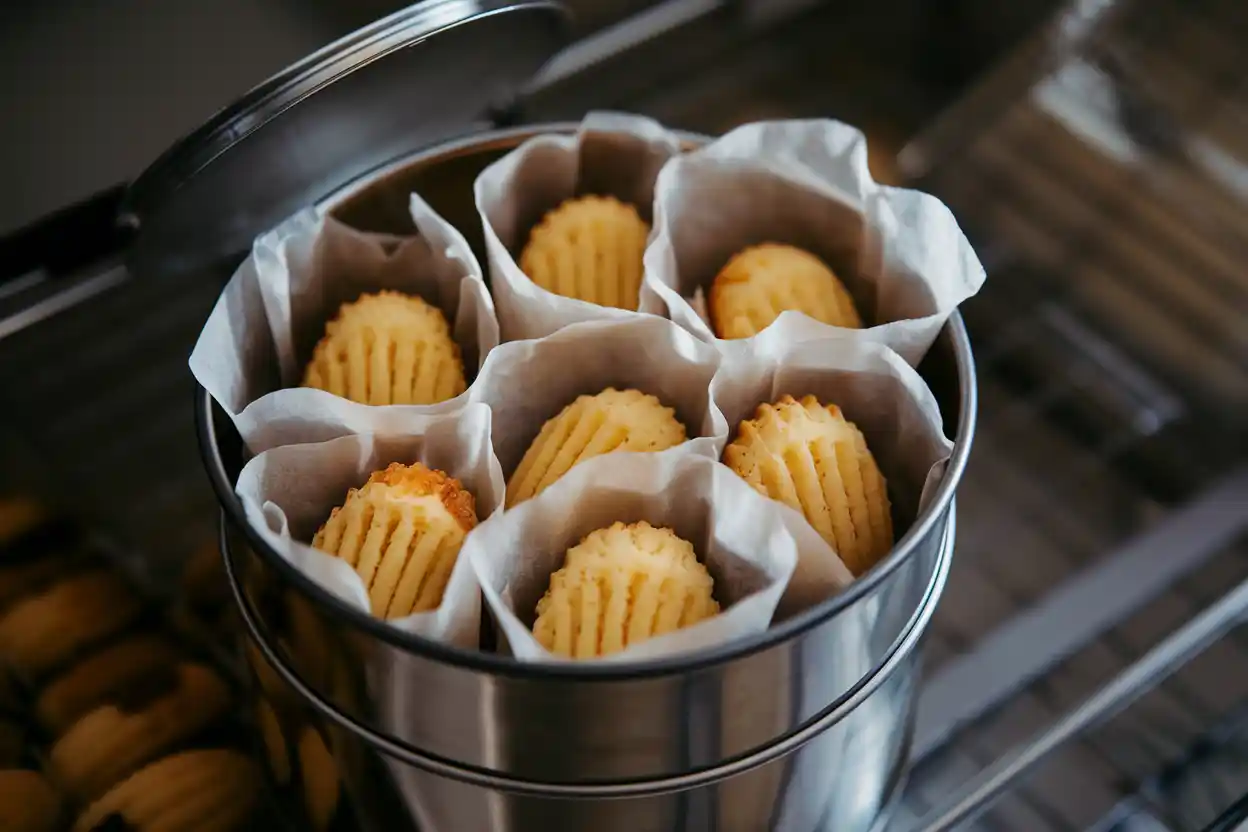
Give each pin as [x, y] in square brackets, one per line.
[737, 533]
[806, 183]
[526, 383]
[611, 154]
[878, 392]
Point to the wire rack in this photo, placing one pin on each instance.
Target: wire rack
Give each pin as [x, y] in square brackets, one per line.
[1100, 171]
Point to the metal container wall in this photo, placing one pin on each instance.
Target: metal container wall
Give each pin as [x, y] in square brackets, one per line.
[804, 727]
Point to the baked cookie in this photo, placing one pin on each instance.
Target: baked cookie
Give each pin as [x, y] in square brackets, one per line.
[45, 630]
[620, 586]
[148, 720]
[213, 790]
[402, 533]
[101, 677]
[613, 420]
[388, 348]
[590, 249]
[762, 281]
[28, 803]
[320, 779]
[809, 457]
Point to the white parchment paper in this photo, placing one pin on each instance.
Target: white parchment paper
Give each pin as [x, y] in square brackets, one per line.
[805, 183]
[888, 401]
[526, 383]
[738, 534]
[613, 154]
[289, 491]
[252, 352]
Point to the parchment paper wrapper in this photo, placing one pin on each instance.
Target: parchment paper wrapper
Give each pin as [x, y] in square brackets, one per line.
[526, 383]
[253, 350]
[888, 401]
[805, 183]
[612, 154]
[289, 491]
[738, 535]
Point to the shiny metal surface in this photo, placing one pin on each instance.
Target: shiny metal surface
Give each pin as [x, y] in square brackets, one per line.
[1167, 657]
[417, 77]
[776, 711]
[842, 772]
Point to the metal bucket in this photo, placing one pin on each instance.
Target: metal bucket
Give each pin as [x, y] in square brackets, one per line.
[804, 727]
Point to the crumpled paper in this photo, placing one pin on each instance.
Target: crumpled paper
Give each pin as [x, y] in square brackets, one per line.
[736, 532]
[900, 252]
[526, 383]
[289, 491]
[876, 390]
[612, 154]
[252, 351]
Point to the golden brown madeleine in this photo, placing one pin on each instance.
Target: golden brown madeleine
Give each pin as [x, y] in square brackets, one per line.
[213, 790]
[620, 586]
[762, 281]
[613, 420]
[113, 741]
[388, 348]
[102, 676]
[589, 248]
[42, 631]
[28, 803]
[809, 457]
[402, 533]
[320, 779]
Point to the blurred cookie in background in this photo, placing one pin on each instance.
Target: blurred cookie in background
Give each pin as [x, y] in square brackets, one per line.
[44, 631]
[102, 676]
[12, 744]
[217, 789]
[28, 803]
[144, 722]
[19, 516]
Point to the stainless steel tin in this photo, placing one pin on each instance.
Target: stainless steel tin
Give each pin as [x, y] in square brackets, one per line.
[805, 727]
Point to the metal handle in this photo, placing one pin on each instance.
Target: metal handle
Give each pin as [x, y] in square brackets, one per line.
[40, 275]
[1180, 646]
[484, 778]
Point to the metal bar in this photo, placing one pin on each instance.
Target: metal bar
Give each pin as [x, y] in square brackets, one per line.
[1173, 652]
[1080, 609]
[1131, 815]
[620, 38]
[59, 302]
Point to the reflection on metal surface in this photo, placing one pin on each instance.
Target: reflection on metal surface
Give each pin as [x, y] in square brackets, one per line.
[60, 301]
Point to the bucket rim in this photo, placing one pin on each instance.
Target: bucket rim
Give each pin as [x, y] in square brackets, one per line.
[921, 530]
